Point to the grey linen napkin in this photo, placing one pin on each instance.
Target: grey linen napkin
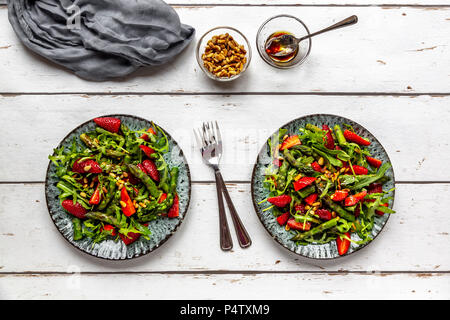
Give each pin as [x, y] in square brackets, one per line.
[100, 39]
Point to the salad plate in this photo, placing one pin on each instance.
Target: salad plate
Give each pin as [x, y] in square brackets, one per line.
[323, 186]
[101, 197]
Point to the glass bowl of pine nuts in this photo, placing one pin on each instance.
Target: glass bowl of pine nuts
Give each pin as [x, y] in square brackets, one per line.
[223, 53]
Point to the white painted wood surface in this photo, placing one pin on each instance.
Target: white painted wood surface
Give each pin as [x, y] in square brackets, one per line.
[390, 73]
[353, 59]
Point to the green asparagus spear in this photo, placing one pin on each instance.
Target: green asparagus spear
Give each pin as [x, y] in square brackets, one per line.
[339, 136]
[308, 170]
[146, 180]
[320, 228]
[77, 229]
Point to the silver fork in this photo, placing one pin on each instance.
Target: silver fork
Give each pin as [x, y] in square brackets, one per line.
[210, 141]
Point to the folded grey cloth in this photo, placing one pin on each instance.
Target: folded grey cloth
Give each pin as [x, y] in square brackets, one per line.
[100, 39]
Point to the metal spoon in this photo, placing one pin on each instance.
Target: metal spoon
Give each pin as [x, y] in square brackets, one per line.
[288, 43]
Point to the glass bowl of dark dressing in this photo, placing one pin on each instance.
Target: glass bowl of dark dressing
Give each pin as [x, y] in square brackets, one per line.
[278, 26]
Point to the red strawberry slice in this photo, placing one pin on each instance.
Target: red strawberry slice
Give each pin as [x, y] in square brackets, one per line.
[280, 201]
[283, 218]
[360, 170]
[130, 237]
[311, 198]
[353, 137]
[375, 188]
[145, 136]
[107, 227]
[352, 200]
[380, 213]
[339, 195]
[174, 211]
[303, 182]
[76, 209]
[316, 167]
[86, 166]
[374, 162]
[343, 244]
[299, 208]
[323, 214]
[151, 169]
[147, 150]
[328, 139]
[296, 225]
[290, 142]
[108, 123]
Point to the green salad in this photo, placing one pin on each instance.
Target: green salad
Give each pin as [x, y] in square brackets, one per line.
[325, 185]
[116, 181]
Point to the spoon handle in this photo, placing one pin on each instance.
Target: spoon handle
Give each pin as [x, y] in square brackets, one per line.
[344, 23]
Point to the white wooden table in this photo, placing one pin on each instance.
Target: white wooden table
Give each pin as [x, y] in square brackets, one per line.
[390, 73]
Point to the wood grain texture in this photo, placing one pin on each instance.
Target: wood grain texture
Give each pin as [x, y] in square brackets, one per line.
[413, 130]
[227, 286]
[415, 239]
[395, 50]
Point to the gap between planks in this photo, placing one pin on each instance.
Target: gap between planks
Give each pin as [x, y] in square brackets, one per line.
[226, 93]
[227, 272]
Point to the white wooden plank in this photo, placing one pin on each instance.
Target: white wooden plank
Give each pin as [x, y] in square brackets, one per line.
[224, 287]
[362, 58]
[296, 2]
[415, 239]
[413, 130]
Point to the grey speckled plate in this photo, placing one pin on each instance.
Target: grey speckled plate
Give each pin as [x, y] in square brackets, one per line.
[161, 228]
[259, 193]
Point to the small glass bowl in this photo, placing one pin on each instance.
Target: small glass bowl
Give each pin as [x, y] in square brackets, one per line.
[289, 24]
[237, 36]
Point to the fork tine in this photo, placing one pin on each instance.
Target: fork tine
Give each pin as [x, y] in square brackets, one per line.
[219, 136]
[211, 131]
[207, 133]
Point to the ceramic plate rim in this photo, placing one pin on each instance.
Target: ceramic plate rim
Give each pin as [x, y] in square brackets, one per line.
[258, 213]
[168, 235]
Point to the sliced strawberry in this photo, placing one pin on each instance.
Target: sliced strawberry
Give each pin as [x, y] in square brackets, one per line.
[354, 199]
[283, 218]
[360, 170]
[343, 244]
[174, 211]
[380, 213]
[374, 162]
[108, 123]
[290, 142]
[323, 214]
[147, 150]
[151, 169]
[76, 209]
[339, 195]
[375, 188]
[303, 182]
[126, 203]
[86, 166]
[299, 208]
[328, 139]
[111, 229]
[130, 237]
[316, 167]
[311, 198]
[145, 136]
[95, 199]
[280, 201]
[277, 162]
[353, 137]
[296, 225]
[162, 198]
